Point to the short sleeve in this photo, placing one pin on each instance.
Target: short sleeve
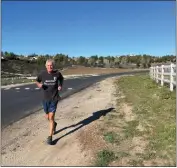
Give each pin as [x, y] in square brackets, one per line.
[39, 77]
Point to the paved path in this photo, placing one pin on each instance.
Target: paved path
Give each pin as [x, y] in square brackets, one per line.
[20, 101]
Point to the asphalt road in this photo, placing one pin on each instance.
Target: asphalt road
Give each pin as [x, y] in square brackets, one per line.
[18, 102]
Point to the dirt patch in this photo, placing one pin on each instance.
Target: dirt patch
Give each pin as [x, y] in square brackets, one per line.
[123, 161]
[91, 70]
[155, 162]
[91, 138]
[127, 111]
[140, 127]
[23, 143]
[91, 141]
[139, 144]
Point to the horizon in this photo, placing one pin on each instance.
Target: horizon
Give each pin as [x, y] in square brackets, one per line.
[89, 28]
[90, 55]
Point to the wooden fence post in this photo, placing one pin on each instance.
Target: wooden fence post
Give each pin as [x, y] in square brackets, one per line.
[151, 73]
[171, 77]
[162, 75]
[156, 76]
[154, 69]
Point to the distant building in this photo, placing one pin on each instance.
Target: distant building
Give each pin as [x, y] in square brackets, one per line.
[131, 55]
[31, 58]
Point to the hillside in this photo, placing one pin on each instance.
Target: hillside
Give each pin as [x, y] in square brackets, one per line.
[19, 66]
[11, 67]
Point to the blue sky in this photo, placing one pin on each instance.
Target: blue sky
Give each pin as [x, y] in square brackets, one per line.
[89, 28]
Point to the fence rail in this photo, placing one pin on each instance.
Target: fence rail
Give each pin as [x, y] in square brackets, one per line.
[164, 74]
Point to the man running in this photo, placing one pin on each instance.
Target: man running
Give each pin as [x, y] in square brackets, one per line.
[50, 81]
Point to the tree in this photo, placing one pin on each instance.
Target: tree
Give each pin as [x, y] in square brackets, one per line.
[32, 55]
[100, 60]
[10, 56]
[92, 60]
[41, 60]
[138, 64]
[124, 60]
[81, 60]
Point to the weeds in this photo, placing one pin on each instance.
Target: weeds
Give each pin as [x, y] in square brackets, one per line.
[154, 109]
[104, 157]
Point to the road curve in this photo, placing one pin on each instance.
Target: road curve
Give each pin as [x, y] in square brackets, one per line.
[18, 102]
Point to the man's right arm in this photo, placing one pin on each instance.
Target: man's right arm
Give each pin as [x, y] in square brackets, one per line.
[39, 80]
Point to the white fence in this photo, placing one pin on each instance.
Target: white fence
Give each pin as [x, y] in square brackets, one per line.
[164, 74]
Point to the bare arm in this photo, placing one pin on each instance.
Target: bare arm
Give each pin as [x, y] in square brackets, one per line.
[38, 81]
[39, 85]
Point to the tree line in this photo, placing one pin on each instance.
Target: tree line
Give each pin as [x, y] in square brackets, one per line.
[63, 60]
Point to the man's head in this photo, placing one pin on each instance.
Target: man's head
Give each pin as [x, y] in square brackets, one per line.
[49, 65]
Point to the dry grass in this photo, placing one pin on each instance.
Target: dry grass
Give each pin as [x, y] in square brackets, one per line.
[14, 81]
[88, 70]
[72, 71]
[142, 129]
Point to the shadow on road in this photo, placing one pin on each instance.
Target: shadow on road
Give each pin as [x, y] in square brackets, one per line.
[95, 116]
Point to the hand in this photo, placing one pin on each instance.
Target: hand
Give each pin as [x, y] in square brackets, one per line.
[40, 85]
[59, 88]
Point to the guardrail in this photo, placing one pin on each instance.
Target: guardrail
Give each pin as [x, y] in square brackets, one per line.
[164, 74]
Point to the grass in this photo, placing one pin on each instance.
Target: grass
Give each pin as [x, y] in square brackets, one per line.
[8, 75]
[136, 163]
[130, 129]
[69, 71]
[112, 137]
[104, 157]
[14, 81]
[154, 109]
[147, 156]
[122, 154]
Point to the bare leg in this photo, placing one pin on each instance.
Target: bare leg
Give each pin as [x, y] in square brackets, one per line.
[51, 123]
[47, 116]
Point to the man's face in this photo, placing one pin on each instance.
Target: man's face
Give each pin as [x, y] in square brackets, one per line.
[49, 66]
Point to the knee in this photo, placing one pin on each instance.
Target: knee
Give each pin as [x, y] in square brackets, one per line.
[51, 118]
